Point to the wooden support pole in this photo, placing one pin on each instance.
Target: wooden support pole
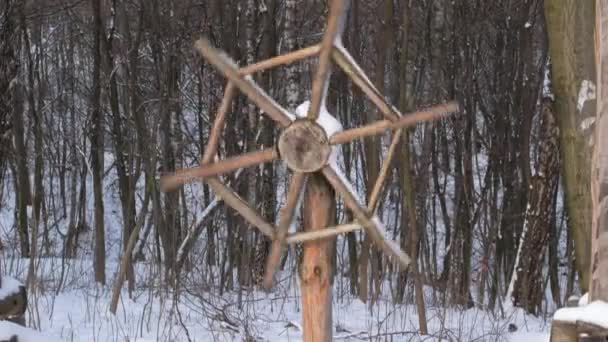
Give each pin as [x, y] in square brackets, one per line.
[316, 269]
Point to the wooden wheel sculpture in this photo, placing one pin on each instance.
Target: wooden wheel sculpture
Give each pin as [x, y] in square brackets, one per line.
[303, 144]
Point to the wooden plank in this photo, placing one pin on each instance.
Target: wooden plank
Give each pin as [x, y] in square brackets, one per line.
[316, 272]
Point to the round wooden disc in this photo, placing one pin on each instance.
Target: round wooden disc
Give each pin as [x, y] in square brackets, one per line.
[304, 146]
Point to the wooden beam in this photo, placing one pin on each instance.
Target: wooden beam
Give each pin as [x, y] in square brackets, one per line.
[377, 235]
[172, 181]
[280, 60]
[218, 124]
[354, 72]
[379, 127]
[285, 218]
[244, 83]
[335, 21]
[319, 234]
[234, 201]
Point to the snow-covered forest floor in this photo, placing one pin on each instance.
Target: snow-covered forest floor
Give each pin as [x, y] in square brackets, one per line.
[78, 311]
[68, 305]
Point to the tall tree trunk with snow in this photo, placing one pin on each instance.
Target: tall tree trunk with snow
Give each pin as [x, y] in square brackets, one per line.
[599, 175]
[96, 136]
[526, 287]
[570, 33]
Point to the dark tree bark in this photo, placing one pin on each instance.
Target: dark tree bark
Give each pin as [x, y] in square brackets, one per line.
[97, 148]
[12, 113]
[527, 288]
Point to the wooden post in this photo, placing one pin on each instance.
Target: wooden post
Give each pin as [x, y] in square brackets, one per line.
[316, 269]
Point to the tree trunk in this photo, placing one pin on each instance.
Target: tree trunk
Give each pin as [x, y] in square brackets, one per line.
[12, 113]
[407, 183]
[527, 279]
[573, 73]
[97, 151]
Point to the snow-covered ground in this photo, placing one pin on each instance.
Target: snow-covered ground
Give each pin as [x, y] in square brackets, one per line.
[79, 312]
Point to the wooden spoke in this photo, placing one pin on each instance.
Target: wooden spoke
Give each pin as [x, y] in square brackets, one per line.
[218, 123]
[245, 84]
[371, 224]
[334, 27]
[373, 203]
[183, 176]
[354, 72]
[375, 195]
[234, 201]
[323, 233]
[285, 218]
[378, 127]
[280, 60]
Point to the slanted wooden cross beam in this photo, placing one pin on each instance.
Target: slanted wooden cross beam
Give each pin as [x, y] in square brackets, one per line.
[305, 148]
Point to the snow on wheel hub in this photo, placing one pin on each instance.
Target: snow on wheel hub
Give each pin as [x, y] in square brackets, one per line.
[304, 146]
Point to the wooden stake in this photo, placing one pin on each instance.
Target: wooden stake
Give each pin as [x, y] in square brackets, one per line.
[316, 271]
